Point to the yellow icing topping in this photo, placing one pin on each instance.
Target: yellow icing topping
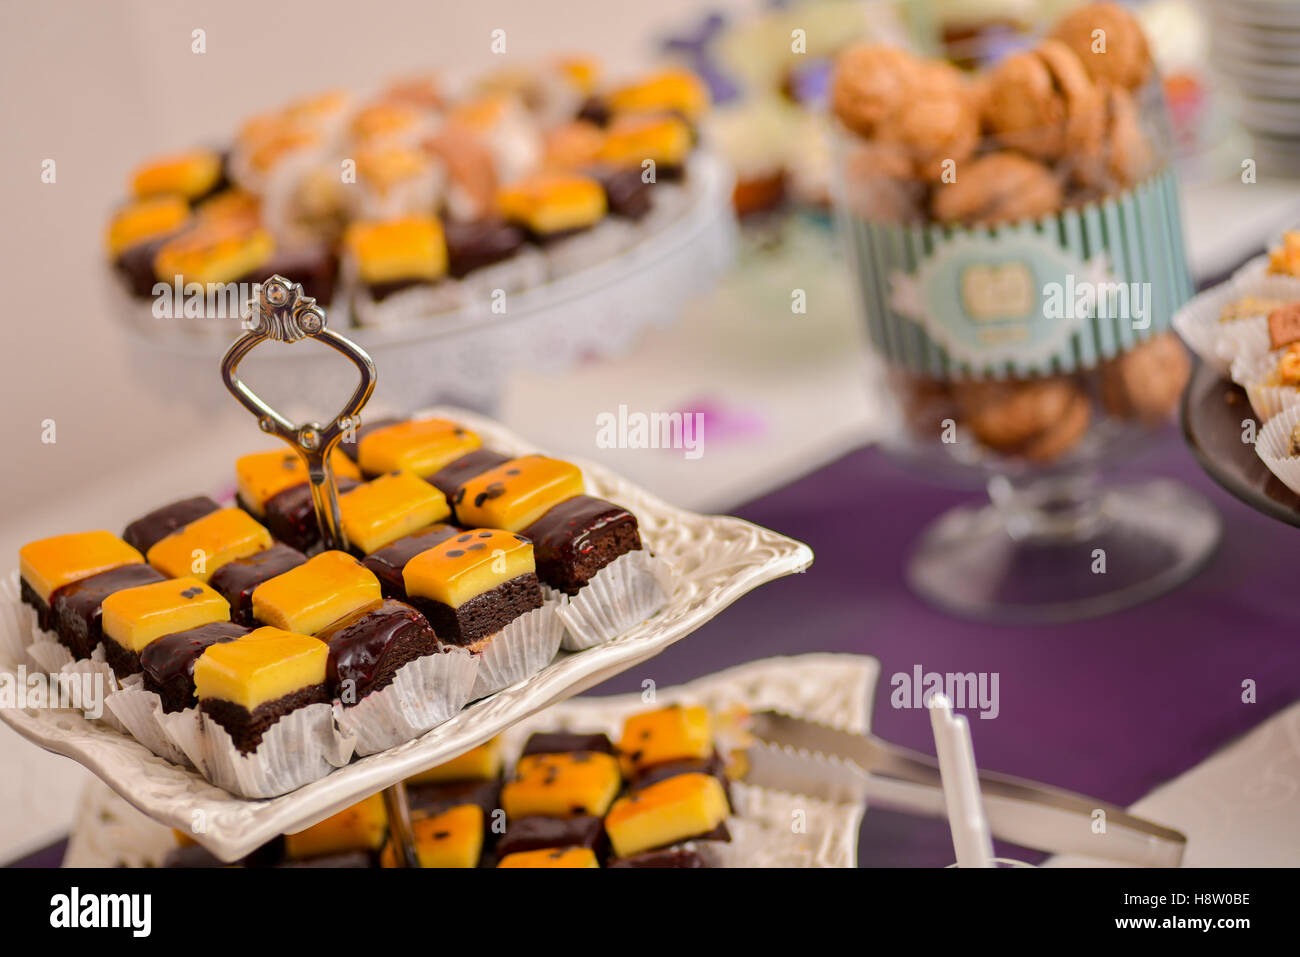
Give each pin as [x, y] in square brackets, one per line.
[207, 543]
[264, 665]
[632, 140]
[261, 475]
[317, 593]
[50, 563]
[221, 251]
[361, 827]
[468, 565]
[422, 446]
[672, 810]
[392, 506]
[453, 838]
[552, 202]
[671, 90]
[551, 857]
[674, 733]
[477, 764]
[517, 493]
[190, 173]
[143, 221]
[409, 248]
[562, 785]
[134, 617]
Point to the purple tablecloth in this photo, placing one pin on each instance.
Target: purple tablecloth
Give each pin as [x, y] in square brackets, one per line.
[1110, 707]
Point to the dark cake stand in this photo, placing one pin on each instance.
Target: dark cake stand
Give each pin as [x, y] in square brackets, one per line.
[1215, 415]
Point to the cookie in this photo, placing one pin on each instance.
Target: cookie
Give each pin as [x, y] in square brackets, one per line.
[996, 188]
[1146, 382]
[938, 120]
[1061, 436]
[1109, 42]
[1007, 415]
[869, 84]
[1123, 155]
[878, 182]
[1043, 103]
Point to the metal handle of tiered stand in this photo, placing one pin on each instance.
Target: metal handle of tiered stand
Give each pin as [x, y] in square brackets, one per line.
[284, 313]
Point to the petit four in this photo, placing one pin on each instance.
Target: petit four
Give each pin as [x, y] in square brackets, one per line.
[472, 778]
[249, 684]
[552, 206]
[454, 474]
[668, 91]
[134, 617]
[148, 530]
[168, 662]
[473, 585]
[228, 251]
[262, 476]
[422, 446]
[369, 647]
[136, 234]
[580, 783]
[681, 808]
[76, 609]
[575, 539]
[236, 581]
[564, 742]
[49, 564]
[552, 857]
[390, 507]
[481, 763]
[192, 175]
[391, 256]
[311, 597]
[453, 838]
[205, 544]
[516, 493]
[388, 562]
[662, 140]
[361, 827]
[674, 733]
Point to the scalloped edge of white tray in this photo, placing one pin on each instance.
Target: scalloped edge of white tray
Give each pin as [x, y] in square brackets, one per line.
[716, 559]
[834, 689]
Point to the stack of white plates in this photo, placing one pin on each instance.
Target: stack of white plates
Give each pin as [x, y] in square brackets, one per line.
[1256, 49]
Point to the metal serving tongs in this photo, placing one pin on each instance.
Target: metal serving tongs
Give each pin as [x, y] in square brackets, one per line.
[803, 757]
[284, 313]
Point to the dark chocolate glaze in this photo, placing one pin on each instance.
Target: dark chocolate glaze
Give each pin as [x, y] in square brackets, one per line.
[595, 110]
[360, 642]
[149, 530]
[563, 742]
[291, 516]
[236, 580]
[75, 608]
[480, 243]
[168, 663]
[536, 833]
[135, 265]
[627, 194]
[388, 562]
[578, 537]
[455, 474]
[442, 796]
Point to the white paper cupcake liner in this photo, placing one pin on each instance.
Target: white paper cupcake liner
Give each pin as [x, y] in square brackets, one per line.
[140, 713]
[520, 649]
[1252, 374]
[523, 270]
[623, 594]
[303, 746]
[1219, 343]
[423, 694]
[17, 622]
[49, 655]
[1273, 444]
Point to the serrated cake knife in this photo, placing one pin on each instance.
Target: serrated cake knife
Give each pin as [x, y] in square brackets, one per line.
[803, 757]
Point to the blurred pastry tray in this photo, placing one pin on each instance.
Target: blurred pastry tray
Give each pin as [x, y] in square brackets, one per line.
[834, 689]
[717, 559]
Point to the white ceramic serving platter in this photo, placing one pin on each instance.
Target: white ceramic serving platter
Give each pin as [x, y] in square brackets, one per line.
[833, 689]
[716, 560]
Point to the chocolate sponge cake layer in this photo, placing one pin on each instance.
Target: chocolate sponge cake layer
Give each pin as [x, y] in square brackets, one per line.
[27, 594]
[367, 649]
[75, 608]
[247, 728]
[484, 614]
[579, 537]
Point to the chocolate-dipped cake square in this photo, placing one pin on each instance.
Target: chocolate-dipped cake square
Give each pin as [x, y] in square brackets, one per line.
[249, 684]
[76, 608]
[148, 530]
[137, 232]
[46, 565]
[552, 206]
[361, 827]
[452, 838]
[626, 190]
[135, 617]
[273, 487]
[453, 475]
[390, 507]
[236, 581]
[191, 174]
[207, 543]
[473, 585]
[563, 742]
[631, 140]
[578, 537]
[573, 857]
[291, 515]
[369, 647]
[477, 764]
[674, 733]
[350, 442]
[516, 493]
[436, 797]
[581, 783]
[168, 662]
[317, 593]
[421, 446]
[478, 243]
[388, 562]
[391, 256]
[682, 808]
